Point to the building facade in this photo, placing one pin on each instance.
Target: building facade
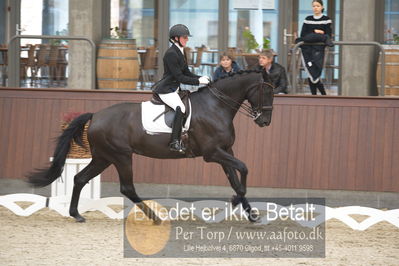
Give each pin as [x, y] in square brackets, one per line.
[215, 24]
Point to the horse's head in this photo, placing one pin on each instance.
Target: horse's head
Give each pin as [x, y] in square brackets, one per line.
[249, 85]
[260, 96]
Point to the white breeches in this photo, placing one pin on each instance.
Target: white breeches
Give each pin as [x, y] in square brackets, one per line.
[173, 100]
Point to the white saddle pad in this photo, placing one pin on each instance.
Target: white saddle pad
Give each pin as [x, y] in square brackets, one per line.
[150, 111]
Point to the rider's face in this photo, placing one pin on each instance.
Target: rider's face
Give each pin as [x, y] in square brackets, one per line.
[183, 40]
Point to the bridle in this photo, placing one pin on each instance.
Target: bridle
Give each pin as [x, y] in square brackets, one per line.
[253, 113]
[260, 108]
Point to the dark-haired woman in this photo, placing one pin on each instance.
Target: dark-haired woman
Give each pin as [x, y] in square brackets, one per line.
[227, 66]
[315, 29]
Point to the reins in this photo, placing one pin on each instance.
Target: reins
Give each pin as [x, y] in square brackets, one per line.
[227, 101]
[247, 109]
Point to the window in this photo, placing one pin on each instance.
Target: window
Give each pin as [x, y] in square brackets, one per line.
[201, 17]
[262, 21]
[391, 23]
[136, 19]
[43, 17]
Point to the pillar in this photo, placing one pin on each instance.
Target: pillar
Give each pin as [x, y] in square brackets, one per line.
[48, 18]
[256, 25]
[358, 62]
[87, 19]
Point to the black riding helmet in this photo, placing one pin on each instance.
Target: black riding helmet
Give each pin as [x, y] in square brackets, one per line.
[178, 30]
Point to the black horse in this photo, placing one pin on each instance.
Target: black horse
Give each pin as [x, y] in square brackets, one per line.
[116, 132]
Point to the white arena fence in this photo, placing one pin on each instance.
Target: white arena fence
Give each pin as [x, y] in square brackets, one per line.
[90, 200]
[61, 205]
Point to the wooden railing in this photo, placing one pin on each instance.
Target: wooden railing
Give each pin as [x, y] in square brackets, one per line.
[313, 142]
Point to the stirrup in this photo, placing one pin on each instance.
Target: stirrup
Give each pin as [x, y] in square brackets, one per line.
[178, 146]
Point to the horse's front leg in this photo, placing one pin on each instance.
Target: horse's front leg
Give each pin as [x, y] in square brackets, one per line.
[230, 165]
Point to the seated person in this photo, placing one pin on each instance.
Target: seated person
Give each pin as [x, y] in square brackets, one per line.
[272, 71]
[227, 65]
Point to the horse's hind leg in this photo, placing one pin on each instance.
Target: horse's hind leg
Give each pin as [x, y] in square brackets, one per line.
[123, 165]
[94, 168]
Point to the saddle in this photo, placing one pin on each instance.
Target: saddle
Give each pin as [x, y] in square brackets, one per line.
[169, 113]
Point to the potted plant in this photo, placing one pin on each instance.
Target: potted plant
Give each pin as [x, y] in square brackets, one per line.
[252, 44]
[76, 151]
[59, 42]
[117, 33]
[266, 43]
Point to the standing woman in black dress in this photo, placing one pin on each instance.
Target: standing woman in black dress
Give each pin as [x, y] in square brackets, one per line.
[316, 29]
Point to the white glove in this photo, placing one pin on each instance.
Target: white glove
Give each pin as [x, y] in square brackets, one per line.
[204, 80]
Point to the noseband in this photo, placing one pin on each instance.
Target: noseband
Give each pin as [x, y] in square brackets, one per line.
[260, 108]
[253, 113]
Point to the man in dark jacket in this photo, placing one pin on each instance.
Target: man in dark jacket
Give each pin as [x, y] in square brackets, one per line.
[176, 72]
[273, 72]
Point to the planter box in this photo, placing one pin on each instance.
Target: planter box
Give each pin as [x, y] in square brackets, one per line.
[63, 186]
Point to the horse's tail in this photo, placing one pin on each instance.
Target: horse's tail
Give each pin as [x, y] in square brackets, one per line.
[44, 177]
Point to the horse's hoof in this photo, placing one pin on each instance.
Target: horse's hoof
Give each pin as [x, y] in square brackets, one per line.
[79, 219]
[253, 217]
[157, 221]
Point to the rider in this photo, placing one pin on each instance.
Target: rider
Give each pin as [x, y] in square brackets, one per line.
[176, 72]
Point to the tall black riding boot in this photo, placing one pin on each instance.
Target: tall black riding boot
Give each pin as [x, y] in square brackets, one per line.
[320, 86]
[175, 144]
[313, 87]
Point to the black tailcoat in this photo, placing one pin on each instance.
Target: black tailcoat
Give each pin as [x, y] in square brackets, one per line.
[176, 72]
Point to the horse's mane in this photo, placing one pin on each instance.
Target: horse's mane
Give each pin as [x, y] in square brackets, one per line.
[232, 74]
[240, 72]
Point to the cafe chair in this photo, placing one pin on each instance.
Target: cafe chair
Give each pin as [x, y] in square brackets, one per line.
[196, 65]
[62, 63]
[42, 57]
[54, 74]
[188, 55]
[31, 63]
[149, 67]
